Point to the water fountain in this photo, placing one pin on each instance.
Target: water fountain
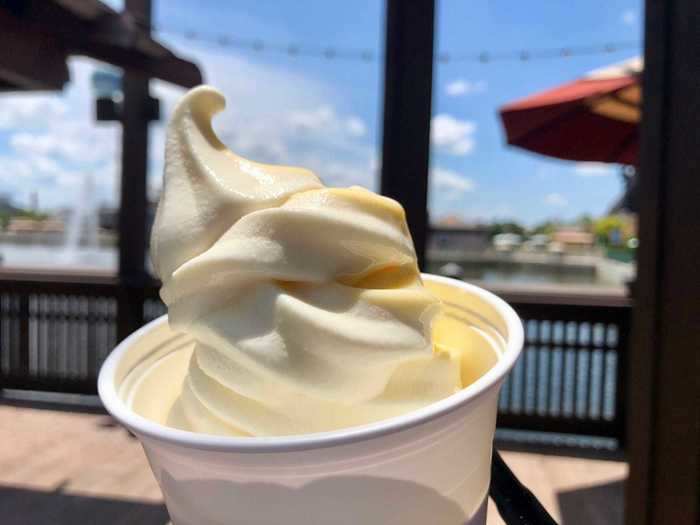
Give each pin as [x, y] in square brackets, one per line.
[79, 247]
[81, 239]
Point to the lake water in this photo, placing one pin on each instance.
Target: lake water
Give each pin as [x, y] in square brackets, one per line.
[42, 256]
[484, 272]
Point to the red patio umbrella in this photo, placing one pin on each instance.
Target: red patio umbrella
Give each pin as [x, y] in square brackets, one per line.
[595, 118]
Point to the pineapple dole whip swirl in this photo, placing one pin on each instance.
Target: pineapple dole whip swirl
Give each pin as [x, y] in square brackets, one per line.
[304, 302]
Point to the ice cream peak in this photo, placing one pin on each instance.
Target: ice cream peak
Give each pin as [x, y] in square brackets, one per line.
[304, 302]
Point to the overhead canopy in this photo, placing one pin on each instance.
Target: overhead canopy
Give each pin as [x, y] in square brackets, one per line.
[594, 118]
[38, 36]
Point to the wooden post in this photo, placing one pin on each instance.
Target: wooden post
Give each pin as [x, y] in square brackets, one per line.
[408, 79]
[664, 391]
[134, 167]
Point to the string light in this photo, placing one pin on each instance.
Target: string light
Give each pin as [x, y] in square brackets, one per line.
[294, 50]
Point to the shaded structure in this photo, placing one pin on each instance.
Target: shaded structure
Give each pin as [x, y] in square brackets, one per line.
[42, 34]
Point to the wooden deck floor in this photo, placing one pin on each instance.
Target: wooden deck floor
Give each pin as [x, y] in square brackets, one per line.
[63, 467]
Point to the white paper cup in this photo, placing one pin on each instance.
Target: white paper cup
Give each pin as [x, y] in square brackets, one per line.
[430, 466]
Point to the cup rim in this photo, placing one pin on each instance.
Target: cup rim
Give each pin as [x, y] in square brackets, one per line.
[145, 427]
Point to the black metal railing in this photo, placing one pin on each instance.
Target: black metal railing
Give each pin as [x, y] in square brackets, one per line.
[571, 376]
[55, 331]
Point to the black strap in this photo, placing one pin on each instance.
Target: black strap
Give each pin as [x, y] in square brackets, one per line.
[515, 503]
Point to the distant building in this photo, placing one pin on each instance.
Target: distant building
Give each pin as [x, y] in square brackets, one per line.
[572, 240]
[451, 234]
[507, 242]
[24, 225]
[18, 225]
[52, 226]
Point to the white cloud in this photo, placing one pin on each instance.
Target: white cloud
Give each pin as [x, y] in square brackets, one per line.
[594, 169]
[272, 115]
[54, 142]
[629, 17]
[14, 169]
[375, 164]
[452, 135]
[343, 173]
[556, 200]
[278, 116]
[73, 143]
[45, 164]
[313, 120]
[324, 120]
[355, 127]
[450, 181]
[30, 110]
[21, 175]
[346, 174]
[460, 87]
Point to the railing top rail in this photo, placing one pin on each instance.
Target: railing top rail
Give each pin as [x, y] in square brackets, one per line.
[552, 296]
[82, 276]
[561, 295]
[89, 284]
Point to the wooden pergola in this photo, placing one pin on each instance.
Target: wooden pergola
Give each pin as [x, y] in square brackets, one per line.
[38, 36]
[42, 34]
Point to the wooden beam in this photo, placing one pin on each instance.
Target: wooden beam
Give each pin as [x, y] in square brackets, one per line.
[88, 9]
[116, 38]
[30, 60]
[664, 390]
[169, 68]
[408, 79]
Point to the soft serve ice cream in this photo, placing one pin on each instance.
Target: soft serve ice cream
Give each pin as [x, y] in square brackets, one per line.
[300, 307]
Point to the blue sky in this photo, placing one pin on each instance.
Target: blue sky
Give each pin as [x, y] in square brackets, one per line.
[326, 114]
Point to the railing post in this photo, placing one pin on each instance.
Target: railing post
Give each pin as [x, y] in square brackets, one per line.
[23, 313]
[621, 374]
[91, 319]
[130, 301]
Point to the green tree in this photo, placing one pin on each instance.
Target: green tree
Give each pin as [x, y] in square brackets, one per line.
[506, 227]
[609, 230]
[585, 222]
[546, 228]
[28, 214]
[7, 216]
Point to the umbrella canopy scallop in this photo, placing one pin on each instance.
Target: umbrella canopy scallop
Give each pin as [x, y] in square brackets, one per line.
[595, 118]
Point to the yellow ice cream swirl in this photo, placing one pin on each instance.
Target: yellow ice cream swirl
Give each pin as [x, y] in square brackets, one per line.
[305, 302]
